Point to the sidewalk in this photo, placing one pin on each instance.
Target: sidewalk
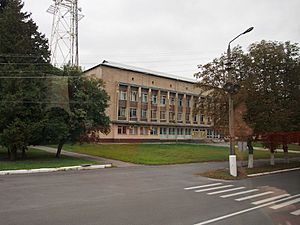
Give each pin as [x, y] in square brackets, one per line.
[255, 148]
[98, 159]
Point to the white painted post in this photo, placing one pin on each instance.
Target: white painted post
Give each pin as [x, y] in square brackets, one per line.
[250, 161]
[232, 165]
[272, 160]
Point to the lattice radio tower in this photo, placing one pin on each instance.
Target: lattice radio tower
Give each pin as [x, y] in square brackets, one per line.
[64, 35]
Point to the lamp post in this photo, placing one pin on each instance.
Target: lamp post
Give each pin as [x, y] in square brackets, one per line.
[232, 89]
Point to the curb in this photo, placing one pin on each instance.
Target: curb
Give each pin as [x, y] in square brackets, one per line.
[47, 170]
[272, 172]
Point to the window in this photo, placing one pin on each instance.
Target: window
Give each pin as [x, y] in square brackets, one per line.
[210, 134]
[122, 112]
[172, 101]
[153, 131]
[201, 118]
[171, 116]
[187, 117]
[179, 116]
[133, 96]
[172, 131]
[144, 97]
[180, 102]
[144, 114]
[154, 99]
[195, 118]
[163, 100]
[188, 103]
[144, 130]
[133, 130]
[163, 131]
[188, 131]
[180, 131]
[123, 95]
[121, 130]
[153, 114]
[162, 115]
[208, 120]
[132, 112]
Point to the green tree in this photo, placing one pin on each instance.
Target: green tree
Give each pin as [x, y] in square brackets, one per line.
[24, 57]
[86, 116]
[269, 78]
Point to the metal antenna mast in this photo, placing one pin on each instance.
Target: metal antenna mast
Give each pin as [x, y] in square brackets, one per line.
[64, 35]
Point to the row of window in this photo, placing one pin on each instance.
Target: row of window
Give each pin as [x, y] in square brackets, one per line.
[154, 98]
[153, 130]
[133, 114]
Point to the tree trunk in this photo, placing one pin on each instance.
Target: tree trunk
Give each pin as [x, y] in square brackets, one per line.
[286, 155]
[13, 155]
[250, 153]
[59, 148]
[272, 160]
[24, 153]
[8, 153]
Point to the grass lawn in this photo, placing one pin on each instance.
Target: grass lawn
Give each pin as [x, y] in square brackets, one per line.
[38, 159]
[243, 172]
[293, 147]
[160, 154]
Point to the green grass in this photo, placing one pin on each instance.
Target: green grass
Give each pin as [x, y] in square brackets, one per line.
[293, 147]
[161, 154]
[243, 172]
[38, 159]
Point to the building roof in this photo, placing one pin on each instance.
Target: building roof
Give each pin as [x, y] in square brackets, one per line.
[141, 70]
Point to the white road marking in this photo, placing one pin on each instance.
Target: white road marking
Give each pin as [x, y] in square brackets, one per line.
[214, 188]
[285, 204]
[239, 193]
[227, 190]
[254, 196]
[202, 186]
[269, 199]
[296, 213]
[243, 211]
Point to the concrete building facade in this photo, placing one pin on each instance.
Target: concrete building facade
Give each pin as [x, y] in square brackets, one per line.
[151, 106]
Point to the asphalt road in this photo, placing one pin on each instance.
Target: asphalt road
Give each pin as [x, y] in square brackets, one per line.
[162, 195]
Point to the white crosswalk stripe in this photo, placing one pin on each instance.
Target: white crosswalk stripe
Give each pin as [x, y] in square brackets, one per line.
[214, 188]
[202, 186]
[269, 199]
[296, 213]
[285, 204]
[239, 193]
[227, 190]
[254, 196]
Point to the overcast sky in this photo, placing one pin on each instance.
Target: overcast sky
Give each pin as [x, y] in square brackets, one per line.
[172, 36]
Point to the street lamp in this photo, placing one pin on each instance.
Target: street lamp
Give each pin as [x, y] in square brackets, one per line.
[231, 88]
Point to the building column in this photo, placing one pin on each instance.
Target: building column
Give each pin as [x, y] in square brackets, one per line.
[139, 104]
[168, 107]
[128, 103]
[184, 109]
[149, 106]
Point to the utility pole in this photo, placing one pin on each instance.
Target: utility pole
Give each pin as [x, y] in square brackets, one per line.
[64, 35]
[231, 88]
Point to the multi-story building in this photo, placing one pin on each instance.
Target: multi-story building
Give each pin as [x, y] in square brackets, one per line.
[151, 106]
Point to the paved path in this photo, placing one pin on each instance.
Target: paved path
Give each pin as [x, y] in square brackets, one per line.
[98, 159]
[225, 144]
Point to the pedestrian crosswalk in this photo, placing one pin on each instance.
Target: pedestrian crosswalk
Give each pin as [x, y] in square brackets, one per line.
[270, 199]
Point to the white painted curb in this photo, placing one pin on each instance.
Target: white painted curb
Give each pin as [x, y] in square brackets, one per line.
[47, 170]
[272, 172]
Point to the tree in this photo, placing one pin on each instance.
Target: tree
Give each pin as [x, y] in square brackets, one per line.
[269, 78]
[86, 116]
[24, 58]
